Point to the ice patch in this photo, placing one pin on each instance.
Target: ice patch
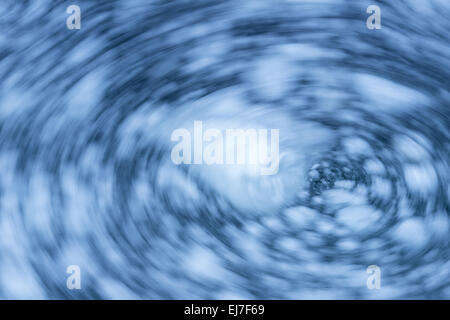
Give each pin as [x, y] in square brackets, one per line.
[358, 218]
[387, 95]
[300, 216]
[421, 179]
[357, 146]
[411, 232]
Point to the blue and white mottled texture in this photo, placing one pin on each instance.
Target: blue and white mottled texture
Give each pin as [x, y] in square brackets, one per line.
[85, 170]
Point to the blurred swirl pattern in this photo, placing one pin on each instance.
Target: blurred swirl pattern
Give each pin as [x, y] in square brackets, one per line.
[86, 176]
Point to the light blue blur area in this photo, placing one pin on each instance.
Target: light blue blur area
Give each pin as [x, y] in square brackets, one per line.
[86, 176]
